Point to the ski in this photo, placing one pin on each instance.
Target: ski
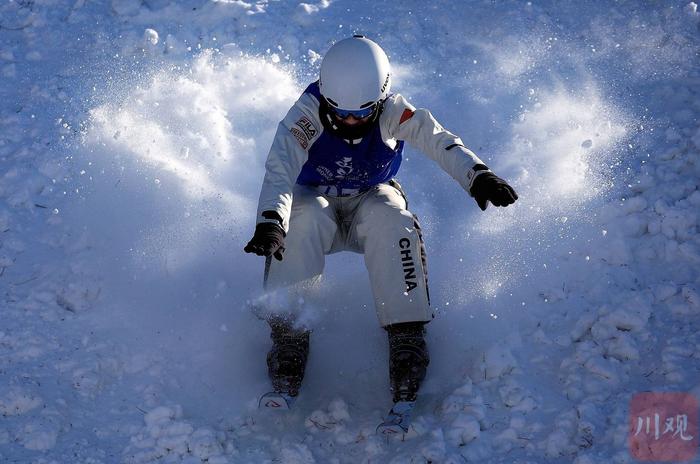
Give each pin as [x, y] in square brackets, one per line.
[398, 420]
[276, 400]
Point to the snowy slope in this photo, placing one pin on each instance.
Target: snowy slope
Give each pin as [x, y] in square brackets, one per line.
[132, 143]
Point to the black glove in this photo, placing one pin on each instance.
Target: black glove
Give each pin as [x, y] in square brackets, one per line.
[268, 240]
[488, 186]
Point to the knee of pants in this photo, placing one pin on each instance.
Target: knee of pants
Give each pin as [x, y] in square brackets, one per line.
[309, 231]
[310, 224]
[310, 237]
[386, 225]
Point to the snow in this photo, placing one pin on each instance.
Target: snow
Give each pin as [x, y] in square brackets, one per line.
[133, 136]
[17, 402]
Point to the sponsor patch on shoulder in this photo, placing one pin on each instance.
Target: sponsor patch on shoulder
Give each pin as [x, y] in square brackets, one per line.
[307, 127]
[301, 138]
[406, 115]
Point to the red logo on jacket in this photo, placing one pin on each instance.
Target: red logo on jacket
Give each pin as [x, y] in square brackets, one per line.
[407, 114]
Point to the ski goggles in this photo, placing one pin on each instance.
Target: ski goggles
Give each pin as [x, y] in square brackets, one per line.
[357, 114]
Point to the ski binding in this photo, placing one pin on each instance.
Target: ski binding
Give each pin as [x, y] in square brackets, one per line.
[276, 400]
[398, 420]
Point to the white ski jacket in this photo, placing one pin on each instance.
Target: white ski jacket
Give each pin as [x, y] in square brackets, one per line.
[304, 152]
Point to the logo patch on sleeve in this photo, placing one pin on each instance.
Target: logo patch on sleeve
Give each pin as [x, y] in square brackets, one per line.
[307, 127]
[407, 114]
[301, 137]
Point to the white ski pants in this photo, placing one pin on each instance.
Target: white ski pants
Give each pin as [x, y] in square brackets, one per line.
[376, 223]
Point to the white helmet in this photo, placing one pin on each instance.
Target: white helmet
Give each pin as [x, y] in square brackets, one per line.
[355, 74]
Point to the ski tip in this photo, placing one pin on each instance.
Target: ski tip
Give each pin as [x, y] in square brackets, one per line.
[391, 430]
[398, 421]
[275, 401]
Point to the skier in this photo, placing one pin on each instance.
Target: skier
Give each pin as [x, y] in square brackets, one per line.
[329, 186]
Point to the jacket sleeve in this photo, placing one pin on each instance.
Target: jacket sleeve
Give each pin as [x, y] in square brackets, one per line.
[402, 121]
[289, 151]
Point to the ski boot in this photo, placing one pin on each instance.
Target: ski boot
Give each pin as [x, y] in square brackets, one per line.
[286, 360]
[408, 359]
